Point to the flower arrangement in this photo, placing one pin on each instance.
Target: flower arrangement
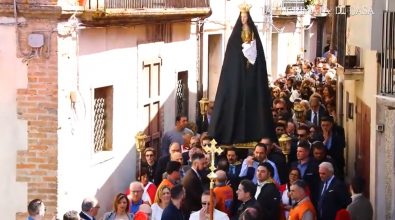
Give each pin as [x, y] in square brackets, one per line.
[308, 3]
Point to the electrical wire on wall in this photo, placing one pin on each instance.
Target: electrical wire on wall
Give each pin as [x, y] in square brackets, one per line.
[35, 51]
[18, 45]
[77, 101]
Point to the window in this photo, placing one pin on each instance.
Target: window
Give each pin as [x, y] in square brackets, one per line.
[387, 81]
[103, 104]
[159, 32]
[182, 93]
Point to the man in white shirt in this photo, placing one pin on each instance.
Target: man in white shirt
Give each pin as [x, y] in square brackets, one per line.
[204, 213]
[250, 164]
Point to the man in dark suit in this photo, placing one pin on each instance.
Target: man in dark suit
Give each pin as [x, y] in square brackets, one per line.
[335, 142]
[307, 166]
[332, 195]
[360, 207]
[234, 167]
[89, 208]
[150, 162]
[275, 155]
[316, 111]
[203, 121]
[173, 210]
[162, 162]
[246, 197]
[193, 185]
[267, 194]
[320, 154]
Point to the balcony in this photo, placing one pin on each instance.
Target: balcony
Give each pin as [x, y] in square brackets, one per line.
[298, 7]
[152, 4]
[137, 11]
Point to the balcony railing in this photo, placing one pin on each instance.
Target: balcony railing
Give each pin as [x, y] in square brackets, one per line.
[109, 12]
[145, 4]
[139, 4]
[288, 6]
[387, 82]
[297, 7]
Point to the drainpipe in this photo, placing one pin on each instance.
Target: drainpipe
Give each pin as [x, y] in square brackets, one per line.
[333, 4]
[199, 64]
[320, 36]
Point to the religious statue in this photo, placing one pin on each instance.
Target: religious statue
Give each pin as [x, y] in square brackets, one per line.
[242, 107]
[247, 36]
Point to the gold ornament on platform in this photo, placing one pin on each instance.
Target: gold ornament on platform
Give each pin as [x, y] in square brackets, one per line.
[248, 145]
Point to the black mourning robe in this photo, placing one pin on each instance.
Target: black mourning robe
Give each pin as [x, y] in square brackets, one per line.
[242, 107]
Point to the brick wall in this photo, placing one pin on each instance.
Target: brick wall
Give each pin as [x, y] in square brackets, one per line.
[37, 104]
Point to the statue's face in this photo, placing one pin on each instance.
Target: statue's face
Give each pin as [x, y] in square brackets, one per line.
[244, 17]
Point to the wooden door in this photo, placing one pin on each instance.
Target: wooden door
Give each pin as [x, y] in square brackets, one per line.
[149, 88]
[362, 154]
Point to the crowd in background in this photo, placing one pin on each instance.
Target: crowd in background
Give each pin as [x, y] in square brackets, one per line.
[257, 183]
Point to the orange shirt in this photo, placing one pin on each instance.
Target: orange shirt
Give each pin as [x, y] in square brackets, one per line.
[224, 196]
[297, 212]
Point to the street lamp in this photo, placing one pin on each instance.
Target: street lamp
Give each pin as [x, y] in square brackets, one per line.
[140, 145]
[203, 106]
[285, 145]
[299, 111]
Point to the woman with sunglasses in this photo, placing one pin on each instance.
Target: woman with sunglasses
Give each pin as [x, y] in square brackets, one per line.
[293, 176]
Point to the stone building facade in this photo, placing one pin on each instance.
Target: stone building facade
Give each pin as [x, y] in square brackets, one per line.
[79, 81]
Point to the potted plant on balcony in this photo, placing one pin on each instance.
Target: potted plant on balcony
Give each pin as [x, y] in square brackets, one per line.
[81, 2]
[309, 3]
[313, 6]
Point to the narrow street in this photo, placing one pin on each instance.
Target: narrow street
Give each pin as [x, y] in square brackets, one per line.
[93, 86]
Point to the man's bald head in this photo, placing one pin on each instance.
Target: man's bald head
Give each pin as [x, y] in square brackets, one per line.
[145, 208]
[176, 156]
[221, 176]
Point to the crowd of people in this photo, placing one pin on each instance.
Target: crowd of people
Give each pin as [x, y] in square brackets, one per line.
[258, 183]
[265, 182]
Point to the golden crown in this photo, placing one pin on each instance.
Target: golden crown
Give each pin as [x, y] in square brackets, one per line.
[244, 7]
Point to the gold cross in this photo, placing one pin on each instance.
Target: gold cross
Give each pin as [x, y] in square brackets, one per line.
[212, 150]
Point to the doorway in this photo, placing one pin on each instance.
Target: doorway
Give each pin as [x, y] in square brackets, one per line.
[362, 144]
[214, 63]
